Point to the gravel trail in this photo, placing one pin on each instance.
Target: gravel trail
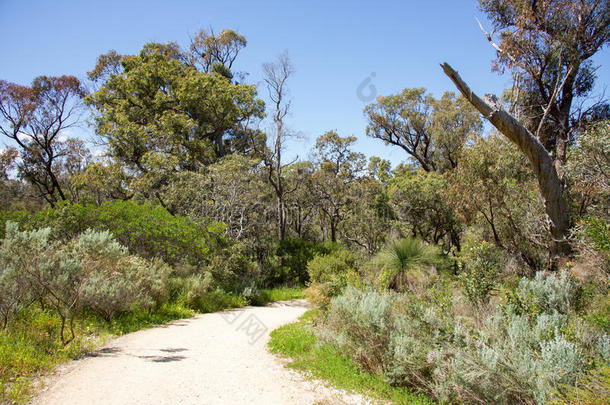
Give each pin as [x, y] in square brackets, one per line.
[218, 358]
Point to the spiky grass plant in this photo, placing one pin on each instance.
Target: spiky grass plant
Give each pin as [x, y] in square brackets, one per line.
[405, 263]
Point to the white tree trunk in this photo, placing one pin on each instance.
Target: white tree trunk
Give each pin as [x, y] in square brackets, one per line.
[550, 185]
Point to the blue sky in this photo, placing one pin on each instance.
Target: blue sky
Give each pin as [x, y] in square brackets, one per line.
[334, 45]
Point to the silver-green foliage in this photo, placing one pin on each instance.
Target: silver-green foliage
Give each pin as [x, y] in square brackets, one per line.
[521, 353]
[91, 272]
[547, 293]
[360, 321]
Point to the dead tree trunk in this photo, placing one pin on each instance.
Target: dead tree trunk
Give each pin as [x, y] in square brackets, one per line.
[550, 184]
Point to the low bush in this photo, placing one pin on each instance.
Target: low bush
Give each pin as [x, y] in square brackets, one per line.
[332, 267]
[322, 360]
[329, 274]
[320, 294]
[92, 272]
[217, 300]
[534, 344]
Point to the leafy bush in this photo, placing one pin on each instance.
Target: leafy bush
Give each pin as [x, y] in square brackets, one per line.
[323, 360]
[47, 270]
[128, 282]
[218, 300]
[14, 293]
[332, 267]
[91, 272]
[232, 269]
[20, 217]
[329, 274]
[480, 265]
[320, 294]
[360, 322]
[545, 293]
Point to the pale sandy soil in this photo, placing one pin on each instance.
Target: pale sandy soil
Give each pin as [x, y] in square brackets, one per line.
[218, 358]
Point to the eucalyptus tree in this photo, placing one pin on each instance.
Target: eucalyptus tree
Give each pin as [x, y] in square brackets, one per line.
[160, 116]
[422, 209]
[275, 76]
[337, 169]
[432, 132]
[213, 52]
[550, 44]
[301, 205]
[35, 118]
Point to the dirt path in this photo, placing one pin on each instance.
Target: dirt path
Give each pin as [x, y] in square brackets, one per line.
[218, 358]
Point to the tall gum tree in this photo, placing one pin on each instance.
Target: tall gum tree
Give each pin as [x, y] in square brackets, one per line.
[275, 76]
[160, 116]
[548, 43]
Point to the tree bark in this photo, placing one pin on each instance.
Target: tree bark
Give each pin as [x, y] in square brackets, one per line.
[550, 184]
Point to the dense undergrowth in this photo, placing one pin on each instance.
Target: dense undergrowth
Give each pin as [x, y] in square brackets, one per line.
[482, 336]
[323, 361]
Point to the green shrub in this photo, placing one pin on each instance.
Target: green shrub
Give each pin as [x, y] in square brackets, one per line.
[218, 300]
[480, 265]
[545, 293]
[15, 292]
[125, 284]
[332, 267]
[232, 269]
[49, 272]
[360, 322]
[197, 286]
[92, 272]
[322, 360]
[320, 294]
[329, 274]
[19, 217]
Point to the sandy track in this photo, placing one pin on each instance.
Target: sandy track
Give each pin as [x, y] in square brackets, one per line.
[218, 358]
